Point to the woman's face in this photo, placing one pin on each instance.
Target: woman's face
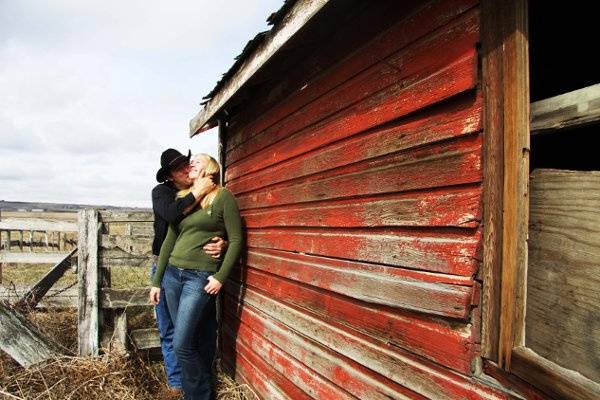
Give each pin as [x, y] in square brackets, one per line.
[197, 167]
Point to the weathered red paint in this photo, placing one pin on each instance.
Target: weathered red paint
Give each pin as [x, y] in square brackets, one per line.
[360, 282]
[392, 102]
[422, 59]
[406, 31]
[451, 252]
[449, 120]
[454, 207]
[425, 378]
[450, 163]
[361, 195]
[296, 372]
[321, 361]
[448, 344]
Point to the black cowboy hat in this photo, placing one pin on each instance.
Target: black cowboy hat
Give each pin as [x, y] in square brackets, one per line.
[171, 159]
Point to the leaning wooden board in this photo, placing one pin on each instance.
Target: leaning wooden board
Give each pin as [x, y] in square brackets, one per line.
[563, 279]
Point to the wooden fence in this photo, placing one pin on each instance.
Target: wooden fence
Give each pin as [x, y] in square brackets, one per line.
[108, 240]
[38, 238]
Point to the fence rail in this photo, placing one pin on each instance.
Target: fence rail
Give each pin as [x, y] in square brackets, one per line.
[109, 240]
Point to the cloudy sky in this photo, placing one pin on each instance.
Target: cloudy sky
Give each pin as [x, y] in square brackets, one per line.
[92, 91]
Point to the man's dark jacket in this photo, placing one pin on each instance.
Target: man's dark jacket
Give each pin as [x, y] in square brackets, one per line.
[167, 210]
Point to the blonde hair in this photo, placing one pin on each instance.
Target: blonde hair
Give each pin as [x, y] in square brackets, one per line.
[211, 168]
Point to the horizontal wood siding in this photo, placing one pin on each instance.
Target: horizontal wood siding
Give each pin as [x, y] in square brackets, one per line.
[361, 196]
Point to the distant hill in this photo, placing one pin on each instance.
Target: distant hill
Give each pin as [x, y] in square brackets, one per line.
[30, 206]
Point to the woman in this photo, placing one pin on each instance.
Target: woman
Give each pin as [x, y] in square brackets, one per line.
[191, 278]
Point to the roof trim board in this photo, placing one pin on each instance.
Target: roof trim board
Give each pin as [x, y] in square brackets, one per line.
[298, 16]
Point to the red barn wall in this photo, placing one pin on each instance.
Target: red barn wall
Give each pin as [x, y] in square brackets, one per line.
[361, 194]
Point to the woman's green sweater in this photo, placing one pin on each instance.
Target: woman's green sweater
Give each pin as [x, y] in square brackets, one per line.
[183, 245]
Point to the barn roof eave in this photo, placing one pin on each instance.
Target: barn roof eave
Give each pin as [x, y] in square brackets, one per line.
[286, 26]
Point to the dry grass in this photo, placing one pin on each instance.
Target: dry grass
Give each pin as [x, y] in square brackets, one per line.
[111, 376]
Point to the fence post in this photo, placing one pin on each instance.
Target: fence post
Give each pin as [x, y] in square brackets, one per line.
[87, 324]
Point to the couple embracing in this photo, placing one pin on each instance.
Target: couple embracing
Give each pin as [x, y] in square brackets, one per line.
[192, 215]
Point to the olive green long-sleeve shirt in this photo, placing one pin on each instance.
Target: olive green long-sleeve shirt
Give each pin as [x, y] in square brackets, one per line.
[183, 244]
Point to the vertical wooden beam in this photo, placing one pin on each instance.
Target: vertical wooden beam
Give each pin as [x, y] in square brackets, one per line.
[8, 240]
[21, 240]
[119, 340]
[493, 156]
[516, 171]
[222, 137]
[31, 241]
[88, 327]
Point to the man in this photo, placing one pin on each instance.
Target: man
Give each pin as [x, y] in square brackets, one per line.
[173, 176]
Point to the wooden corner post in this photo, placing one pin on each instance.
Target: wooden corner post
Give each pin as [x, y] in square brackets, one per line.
[88, 321]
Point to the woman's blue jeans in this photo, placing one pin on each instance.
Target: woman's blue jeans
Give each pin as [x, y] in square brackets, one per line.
[193, 311]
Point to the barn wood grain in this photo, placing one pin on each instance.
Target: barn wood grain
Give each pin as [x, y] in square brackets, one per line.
[427, 57]
[452, 252]
[447, 207]
[298, 373]
[446, 343]
[402, 367]
[437, 14]
[450, 163]
[393, 102]
[360, 282]
[317, 359]
[283, 381]
[454, 119]
[295, 74]
[563, 273]
[261, 380]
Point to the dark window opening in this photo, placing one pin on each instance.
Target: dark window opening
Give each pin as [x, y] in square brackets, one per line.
[561, 60]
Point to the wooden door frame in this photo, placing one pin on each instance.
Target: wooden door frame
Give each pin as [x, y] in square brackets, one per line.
[505, 85]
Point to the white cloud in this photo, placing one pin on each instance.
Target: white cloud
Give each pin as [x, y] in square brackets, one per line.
[92, 92]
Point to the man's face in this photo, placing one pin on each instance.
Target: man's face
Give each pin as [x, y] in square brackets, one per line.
[180, 176]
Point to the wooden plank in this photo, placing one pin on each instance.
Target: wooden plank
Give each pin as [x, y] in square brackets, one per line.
[427, 379]
[37, 224]
[412, 64]
[120, 341]
[493, 178]
[428, 17]
[516, 168]
[129, 244]
[32, 258]
[144, 339]
[51, 215]
[447, 207]
[558, 382]
[258, 379]
[391, 103]
[272, 336]
[393, 287]
[282, 381]
[455, 119]
[563, 275]
[55, 298]
[452, 252]
[123, 298]
[20, 339]
[568, 110]
[511, 382]
[296, 18]
[447, 344]
[120, 259]
[451, 163]
[88, 321]
[39, 290]
[112, 216]
[313, 386]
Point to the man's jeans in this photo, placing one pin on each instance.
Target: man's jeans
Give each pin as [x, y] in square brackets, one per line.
[193, 312]
[166, 330]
